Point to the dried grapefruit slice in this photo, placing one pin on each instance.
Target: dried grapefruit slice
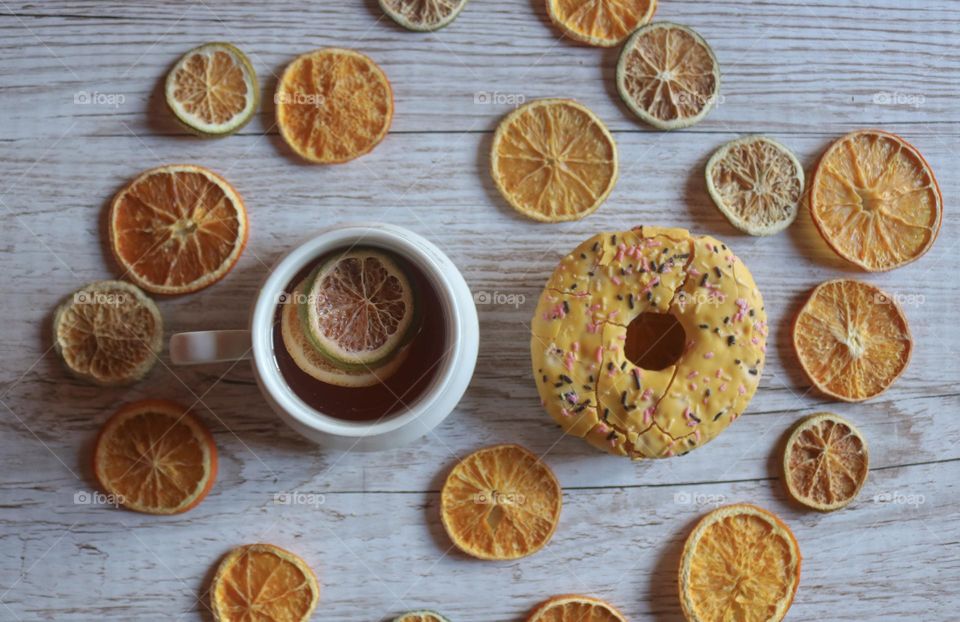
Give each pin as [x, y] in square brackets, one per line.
[360, 308]
[109, 333]
[668, 76]
[740, 562]
[177, 229]
[307, 358]
[825, 463]
[500, 502]
[263, 582]
[155, 457]
[852, 339]
[333, 105]
[757, 183]
[553, 160]
[213, 89]
[603, 23]
[421, 616]
[875, 200]
[423, 15]
[575, 608]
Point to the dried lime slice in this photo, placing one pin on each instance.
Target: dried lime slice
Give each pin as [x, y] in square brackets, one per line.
[308, 358]
[423, 15]
[108, 332]
[359, 309]
[213, 89]
[756, 183]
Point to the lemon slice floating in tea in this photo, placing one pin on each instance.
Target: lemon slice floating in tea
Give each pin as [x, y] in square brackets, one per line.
[360, 308]
[301, 349]
[213, 89]
[423, 15]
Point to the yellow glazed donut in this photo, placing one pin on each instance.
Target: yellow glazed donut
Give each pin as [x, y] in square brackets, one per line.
[582, 324]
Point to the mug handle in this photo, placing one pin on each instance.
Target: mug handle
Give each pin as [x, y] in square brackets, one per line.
[210, 346]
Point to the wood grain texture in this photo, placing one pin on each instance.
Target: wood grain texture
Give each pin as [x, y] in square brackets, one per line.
[802, 72]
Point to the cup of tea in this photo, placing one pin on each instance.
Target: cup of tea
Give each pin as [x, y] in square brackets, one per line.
[352, 370]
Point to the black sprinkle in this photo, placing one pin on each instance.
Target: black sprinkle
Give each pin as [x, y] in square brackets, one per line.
[611, 436]
[583, 255]
[596, 245]
[707, 393]
[579, 409]
[716, 271]
[606, 413]
[717, 330]
[694, 417]
[731, 340]
[558, 385]
[613, 240]
[726, 320]
[636, 380]
[704, 326]
[630, 300]
[591, 273]
[623, 365]
[623, 398]
[703, 281]
[590, 378]
[566, 378]
[574, 286]
[649, 295]
[737, 361]
[663, 267]
[610, 365]
[623, 272]
[752, 372]
[587, 387]
[724, 246]
[566, 307]
[718, 415]
[544, 377]
[619, 296]
[752, 313]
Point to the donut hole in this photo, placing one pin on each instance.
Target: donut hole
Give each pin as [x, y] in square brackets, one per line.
[655, 341]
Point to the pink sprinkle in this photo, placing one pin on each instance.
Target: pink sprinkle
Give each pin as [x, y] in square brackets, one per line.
[602, 429]
[622, 337]
[613, 442]
[564, 412]
[742, 390]
[651, 285]
[693, 374]
[616, 280]
[754, 340]
[614, 348]
[694, 272]
[742, 308]
[648, 415]
[575, 346]
[696, 434]
[599, 356]
[613, 314]
[719, 373]
[595, 308]
[693, 386]
[568, 363]
[690, 345]
[708, 355]
[592, 328]
[723, 387]
[647, 394]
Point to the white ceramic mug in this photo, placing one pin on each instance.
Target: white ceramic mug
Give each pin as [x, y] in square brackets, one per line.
[426, 412]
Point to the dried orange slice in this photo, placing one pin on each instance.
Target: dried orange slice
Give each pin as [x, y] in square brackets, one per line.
[177, 229]
[500, 502]
[825, 463]
[109, 333]
[875, 200]
[740, 562]
[155, 457]
[262, 582]
[757, 183]
[421, 616]
[668, 76]
[553, 160]
[423, 15]
[360, 309]
[308, 358]
[603, 23]
[575, 608]
[333, 105]
[852, 339]
[213, 89]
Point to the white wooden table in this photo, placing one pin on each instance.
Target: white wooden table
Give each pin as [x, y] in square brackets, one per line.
[803, 71]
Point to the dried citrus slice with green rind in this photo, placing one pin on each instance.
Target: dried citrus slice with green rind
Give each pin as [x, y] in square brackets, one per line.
[360, 308]
[213, 89]
[423, 15]
[757, 183]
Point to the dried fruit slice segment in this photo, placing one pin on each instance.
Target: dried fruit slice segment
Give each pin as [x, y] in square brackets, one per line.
[756, 183]
[575, 608]
[500, 502]
[155, 457]
[668, 76]
[263, 582]
[109, 333]
[604, 23]
[213, 89]
[553, 160]
[875, 200]
[308, 358]
[177, 229]
[825, 463]
[360, 308]
[423, 15]
[740, 562]
[852, 339]
[421, 616]
[333, 105]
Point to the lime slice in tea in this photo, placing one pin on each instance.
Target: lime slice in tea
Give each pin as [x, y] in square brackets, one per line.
[359, 309]
[311, 362]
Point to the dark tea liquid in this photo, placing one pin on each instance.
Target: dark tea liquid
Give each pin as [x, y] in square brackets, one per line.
[403, 388]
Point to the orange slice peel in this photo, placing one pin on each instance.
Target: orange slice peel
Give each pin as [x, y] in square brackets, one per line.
[603, 23]
[553, 160]
[852, 339]
[875, 200]
[154, 457]
[500, 503]
[575, 608]
[825, 462]
[741, 562]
